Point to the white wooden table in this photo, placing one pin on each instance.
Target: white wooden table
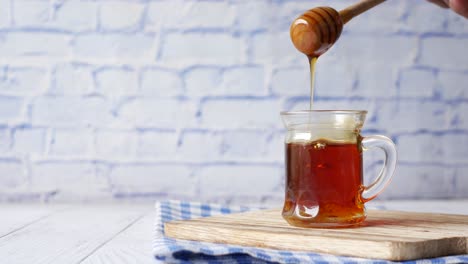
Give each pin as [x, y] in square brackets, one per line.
[97, 233]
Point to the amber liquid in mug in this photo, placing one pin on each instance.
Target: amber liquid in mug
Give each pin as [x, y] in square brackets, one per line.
[324, 183]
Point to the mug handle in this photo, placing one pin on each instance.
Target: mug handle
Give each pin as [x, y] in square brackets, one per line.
[385, 175]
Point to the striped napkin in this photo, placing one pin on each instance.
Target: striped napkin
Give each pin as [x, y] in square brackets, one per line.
[167, 250]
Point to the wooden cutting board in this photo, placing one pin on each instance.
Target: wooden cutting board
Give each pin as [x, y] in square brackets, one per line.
[389, 235]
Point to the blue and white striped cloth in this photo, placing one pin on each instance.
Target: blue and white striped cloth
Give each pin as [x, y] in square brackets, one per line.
[168, 250]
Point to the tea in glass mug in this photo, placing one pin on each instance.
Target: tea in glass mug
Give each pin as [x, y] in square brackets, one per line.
[324, 168]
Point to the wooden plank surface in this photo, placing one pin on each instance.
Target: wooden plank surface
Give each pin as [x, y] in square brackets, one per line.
[14, 217]
[132, 245]
[388, 235]
[31, 233]
[69, 236]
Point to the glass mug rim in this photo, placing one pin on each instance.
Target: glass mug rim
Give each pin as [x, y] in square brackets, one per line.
[302, 112]
[334, 119]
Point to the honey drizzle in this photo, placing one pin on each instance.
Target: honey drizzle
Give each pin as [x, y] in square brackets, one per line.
[312, 62]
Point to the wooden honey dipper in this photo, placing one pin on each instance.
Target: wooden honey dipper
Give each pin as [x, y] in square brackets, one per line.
[315, 31]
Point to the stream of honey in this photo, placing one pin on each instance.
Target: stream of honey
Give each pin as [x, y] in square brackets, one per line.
[312, 62]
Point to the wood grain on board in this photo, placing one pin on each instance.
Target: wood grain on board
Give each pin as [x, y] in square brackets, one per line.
[389, 235]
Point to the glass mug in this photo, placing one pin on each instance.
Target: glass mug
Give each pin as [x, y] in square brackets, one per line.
[324, 172]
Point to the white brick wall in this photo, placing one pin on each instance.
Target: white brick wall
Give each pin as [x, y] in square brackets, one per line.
[200, 146]
[240, 113]
[153, 144]
[113, 46]
[200, 47]
[245, 181]
[190, 15]
[418, 83]
[66, 18]
[116, 82]
[156, 179]
[68, 180]
[160, 82]
[71, 142]
[157, 113]
[433, 53]
[70, 111]
[11, 109]
[31, 13]
[13, 175]
[15, 45]
[450, 83]
[29, 140]
[120, 16]
[72, 79]
[23, 81]
[5, 17]
[5, 141]
[180, 99]
[114, 144]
